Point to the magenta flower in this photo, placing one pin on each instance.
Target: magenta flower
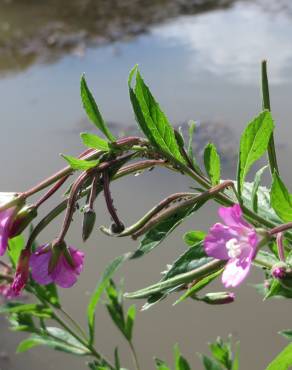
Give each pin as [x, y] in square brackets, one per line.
[235, 242]
[6, 220]
[64, 272]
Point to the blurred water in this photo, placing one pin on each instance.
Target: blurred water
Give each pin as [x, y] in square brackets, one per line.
[202, 63]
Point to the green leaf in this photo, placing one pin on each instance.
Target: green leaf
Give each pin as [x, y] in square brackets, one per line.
[80, 164]
[194, 236]
[253, 144]
[198, 286]
[15, 247]
[131, 314]
[31, 308]
[278, 290]
[281, 200]
[222, 352]
[94, 141]
[101, 286]
[286, 334]
[209, 363]
[235, 365]
[22, 322]
[255, 188]
[92, 110]
[159, 232]
[180, 362]
[152, 121]
[48, 292]
[264, 207]
[59, 345]
[117, 359]
[161, 365]
[283, 361]
[212, 163]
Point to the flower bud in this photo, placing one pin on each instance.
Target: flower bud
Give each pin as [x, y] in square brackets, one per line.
[89, 218]
[283, 272]
[22, 220]
[21, 274]
[219, 298]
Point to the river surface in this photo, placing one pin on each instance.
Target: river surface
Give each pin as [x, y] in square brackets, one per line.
[202, 61]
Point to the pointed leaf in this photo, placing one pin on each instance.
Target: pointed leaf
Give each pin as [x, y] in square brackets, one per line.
[281, 200]
[80, 164]
[94, 141]
[255, 188]
[152, 121]
[283, 361]
[253, 143]
[92, 110]
[212, 163]
[101, 285]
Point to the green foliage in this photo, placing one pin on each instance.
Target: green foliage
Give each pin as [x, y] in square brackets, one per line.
[193, 237]
[283, 361]
[92, 110]
[281, 200]
[124, 322]
[155, 236]
[253, 144]
[94, 142]
[255, 188]
[33, 309]
[100, 288]
[212, 163]
[55, 338]
[152, 121]
[222, 356]
[80, 164]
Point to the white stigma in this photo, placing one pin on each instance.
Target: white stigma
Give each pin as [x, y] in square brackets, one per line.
[233, 248]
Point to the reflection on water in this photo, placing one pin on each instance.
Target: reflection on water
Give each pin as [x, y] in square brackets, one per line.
[202, 65]
[43, 31]
[229, 42]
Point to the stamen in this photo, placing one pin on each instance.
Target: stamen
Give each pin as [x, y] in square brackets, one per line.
[233, 248]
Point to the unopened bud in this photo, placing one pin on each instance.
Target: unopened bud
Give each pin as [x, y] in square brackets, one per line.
[89, 218]
[283, 272]
[21, 274]
[219, 298]
[117, 229]
[22, 220]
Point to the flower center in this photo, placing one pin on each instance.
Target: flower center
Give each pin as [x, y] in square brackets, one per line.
[233, 248]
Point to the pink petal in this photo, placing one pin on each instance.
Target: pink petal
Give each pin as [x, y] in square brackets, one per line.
[237, 269]
[215, 241]
[39, 264]
[232, 216]
[6, 220]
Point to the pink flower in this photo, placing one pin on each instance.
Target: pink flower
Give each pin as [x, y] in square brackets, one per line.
[235, 242]
[65, 270]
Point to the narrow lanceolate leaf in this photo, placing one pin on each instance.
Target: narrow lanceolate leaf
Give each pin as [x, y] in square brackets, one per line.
[101, 286]
[281, 200]
[212, 163]
[130, 319]
[283, 361]
[94, 141]
[151, 119]
[155, 236]
[198, 286]
[92, 110]
[209, 363]
[80, 164]
[255, 188]
[65, 343]
[253, 143]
